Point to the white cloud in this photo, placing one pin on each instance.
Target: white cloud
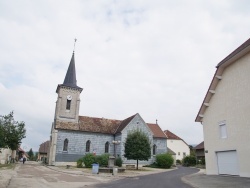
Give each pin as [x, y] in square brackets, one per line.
[156, 58]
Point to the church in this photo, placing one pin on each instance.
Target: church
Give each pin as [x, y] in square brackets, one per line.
[73, 136]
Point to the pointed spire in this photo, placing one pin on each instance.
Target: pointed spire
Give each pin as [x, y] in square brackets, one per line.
[70, 78]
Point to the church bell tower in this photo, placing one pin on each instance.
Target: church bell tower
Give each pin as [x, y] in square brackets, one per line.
[68, 100]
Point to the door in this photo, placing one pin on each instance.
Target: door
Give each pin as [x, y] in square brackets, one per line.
[228, 162]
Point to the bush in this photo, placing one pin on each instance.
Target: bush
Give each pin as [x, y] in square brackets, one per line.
[79, 163]
[178, 161]
[118, 161]
[189, 161]
[102, 159]
[88, 160]
[164, 160]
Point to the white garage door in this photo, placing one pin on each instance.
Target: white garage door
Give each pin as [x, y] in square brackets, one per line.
[228, 162]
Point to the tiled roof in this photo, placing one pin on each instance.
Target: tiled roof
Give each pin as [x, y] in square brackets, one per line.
[124, 123]
[98, 125]
[158, 133]
[44, 147]
[171, 135]
[90, 124]
[105, 126]
[199, 146]
[21, 150]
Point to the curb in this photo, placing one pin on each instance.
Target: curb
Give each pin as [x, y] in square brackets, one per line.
[184, 178]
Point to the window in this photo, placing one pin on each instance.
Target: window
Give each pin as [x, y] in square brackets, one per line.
[184, 154]
[107, 147]
[88, 146]
[179, 153]
[154, 149]
[65, 145]
[68, 104]
[223, 129]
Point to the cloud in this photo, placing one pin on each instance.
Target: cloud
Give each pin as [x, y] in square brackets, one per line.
[156, 58]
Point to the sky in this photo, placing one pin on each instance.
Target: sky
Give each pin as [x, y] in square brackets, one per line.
[152, 57]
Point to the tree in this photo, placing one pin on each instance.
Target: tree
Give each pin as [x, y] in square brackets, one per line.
[137, 146]
[12, 132]
[31, 154]
[192, 151]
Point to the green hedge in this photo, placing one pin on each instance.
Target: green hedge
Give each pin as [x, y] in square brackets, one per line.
[102, 160]
[189, 161]
[88, 160]
[164, 160]
[118, 161]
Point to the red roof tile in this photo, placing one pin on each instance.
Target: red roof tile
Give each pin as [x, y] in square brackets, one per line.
[44, 147]
[158, 133]
[171, 135]
[105, 126]
[124, 123]
[199, 146]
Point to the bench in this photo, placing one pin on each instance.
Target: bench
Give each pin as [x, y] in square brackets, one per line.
[130, 166]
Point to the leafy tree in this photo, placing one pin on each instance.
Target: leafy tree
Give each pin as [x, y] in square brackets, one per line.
[31, 154]
[36, 156]
[192, 151]
[137, 146]
[2, 136]
[11, 132]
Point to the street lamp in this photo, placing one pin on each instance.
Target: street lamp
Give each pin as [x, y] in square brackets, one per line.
[115, 142]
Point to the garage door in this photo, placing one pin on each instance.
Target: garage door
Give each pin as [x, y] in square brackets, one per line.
[228, 162]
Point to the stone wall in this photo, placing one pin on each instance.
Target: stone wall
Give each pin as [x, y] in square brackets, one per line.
[77, 144]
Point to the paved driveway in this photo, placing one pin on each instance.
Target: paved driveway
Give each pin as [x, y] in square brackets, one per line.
[200, 180]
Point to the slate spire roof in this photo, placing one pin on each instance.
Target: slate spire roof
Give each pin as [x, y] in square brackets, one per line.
[70, 77]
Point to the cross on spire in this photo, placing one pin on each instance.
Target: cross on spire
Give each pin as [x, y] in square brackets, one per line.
[74, 44]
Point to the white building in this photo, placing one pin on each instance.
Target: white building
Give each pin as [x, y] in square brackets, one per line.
[5, 155]
[224, 114]
[177, 145]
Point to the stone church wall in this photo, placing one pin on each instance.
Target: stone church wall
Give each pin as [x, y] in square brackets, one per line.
[77, 144]
[136, 123]
[161, 144]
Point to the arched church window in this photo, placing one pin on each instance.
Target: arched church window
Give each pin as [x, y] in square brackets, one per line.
[107, 147]
[65, 145]
[154, 149]
[68, 104]
[88, 146]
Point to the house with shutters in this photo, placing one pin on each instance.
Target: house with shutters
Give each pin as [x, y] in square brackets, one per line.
[177, 145]
[73, 136]
[224, 114]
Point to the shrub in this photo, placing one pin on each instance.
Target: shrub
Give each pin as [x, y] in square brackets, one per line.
[189, 161]
[79, 163]
[203, 162]
[118, 161]
[88, 160]
[178, 161]
[164, 160]
[102, 159]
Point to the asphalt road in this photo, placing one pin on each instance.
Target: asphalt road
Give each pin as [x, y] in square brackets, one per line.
[170, 179]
